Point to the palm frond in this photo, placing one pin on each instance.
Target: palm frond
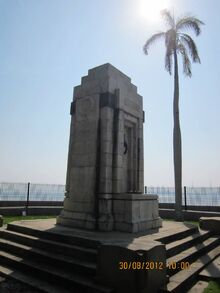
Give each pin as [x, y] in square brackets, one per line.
[178, 41]
[189, 22]
[151, 40]
[168, 18]
[186, 61]
[191, 47]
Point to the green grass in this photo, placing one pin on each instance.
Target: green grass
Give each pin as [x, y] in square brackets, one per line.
[213, 287]
[19, 218]
[189, 222]
[192, 222]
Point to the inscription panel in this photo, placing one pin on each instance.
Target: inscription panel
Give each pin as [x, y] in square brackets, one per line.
[87, 108]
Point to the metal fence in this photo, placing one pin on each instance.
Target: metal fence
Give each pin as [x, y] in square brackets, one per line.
[36, 192]
[199, 196]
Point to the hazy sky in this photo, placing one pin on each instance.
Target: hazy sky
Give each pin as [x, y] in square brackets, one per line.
[46, 46]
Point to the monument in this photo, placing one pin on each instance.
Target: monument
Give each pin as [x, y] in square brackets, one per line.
[104, 184]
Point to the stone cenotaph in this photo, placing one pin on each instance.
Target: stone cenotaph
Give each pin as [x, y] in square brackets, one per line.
[104, 184]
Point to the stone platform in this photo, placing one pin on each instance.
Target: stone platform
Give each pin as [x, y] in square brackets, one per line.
[113, 248]
[210, 224]
[139, 238]
[57, 258]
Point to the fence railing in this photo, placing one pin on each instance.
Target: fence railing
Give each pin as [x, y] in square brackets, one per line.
[35, 192]
[200, 196]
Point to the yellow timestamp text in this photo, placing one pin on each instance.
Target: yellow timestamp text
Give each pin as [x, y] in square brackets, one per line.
[152, 265]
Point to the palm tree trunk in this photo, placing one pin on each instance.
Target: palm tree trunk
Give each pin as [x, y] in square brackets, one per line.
[177, 152]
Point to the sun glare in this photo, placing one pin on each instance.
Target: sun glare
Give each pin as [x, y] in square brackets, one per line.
[150, 9]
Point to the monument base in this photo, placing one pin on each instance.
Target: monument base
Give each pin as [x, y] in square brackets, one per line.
[136, 212]
[74, 219]
[131, 212]
[128, 212]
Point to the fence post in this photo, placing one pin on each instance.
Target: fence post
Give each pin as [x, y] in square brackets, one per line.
[28, 194]
[145, 189]
[185, 198]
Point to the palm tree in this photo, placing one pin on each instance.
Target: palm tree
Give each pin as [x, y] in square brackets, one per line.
[177, 42]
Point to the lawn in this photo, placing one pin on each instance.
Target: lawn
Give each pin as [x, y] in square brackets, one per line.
[189, 222]
[19, 218]
[213, 287]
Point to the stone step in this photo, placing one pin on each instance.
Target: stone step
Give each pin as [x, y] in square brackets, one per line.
[178, 246]
[190, 230]
[68, 263]
[53, 275]
[185, 279]
[191, 254]
[33, 282]
[212, 271]
[77, 252]
[53, 236]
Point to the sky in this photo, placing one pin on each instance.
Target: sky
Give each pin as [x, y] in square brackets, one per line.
[48, 45]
